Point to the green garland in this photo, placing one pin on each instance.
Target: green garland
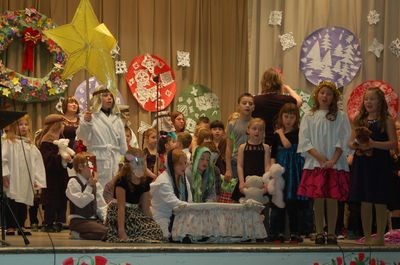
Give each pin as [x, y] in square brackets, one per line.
[17, 86]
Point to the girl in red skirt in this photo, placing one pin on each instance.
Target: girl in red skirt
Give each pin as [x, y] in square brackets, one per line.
[323, 136]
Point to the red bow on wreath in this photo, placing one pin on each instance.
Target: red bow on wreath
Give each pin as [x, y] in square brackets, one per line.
[30, 39]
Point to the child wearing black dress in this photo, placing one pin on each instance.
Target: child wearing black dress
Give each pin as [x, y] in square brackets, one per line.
[372, 175]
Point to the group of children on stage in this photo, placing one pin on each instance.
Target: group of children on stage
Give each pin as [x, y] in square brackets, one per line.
[128, 194]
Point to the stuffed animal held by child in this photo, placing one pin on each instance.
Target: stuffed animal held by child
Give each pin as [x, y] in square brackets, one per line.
[275, 183]
[362, 137]
[254, 190]
[65, 152]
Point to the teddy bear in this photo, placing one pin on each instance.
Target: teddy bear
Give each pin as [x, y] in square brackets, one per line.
[362, 135]
[254, 190]
[65, 152]
[275, 183]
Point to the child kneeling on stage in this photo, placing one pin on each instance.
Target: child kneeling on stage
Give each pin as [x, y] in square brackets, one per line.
[87, 208]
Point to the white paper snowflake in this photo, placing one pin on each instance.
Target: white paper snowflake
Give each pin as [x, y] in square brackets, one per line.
[395, 47]
[373, 17]
[183, 58]
[115, 51]
[275, 18]
[376, 48]
[287, 40]
[120, 67]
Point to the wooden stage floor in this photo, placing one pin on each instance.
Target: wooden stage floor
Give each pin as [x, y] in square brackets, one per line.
[41, 251]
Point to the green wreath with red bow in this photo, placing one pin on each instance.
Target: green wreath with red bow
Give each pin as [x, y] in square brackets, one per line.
[28, 25]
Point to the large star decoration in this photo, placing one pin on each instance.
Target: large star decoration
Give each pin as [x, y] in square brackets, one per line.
[88, 45]
[376, 48]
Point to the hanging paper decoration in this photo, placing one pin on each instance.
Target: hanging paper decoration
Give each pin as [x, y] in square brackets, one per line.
[287, 41]
[80, 93]
[373, 17]
[275, 18]
[196, 101]
[28, 25]
[145, 74]
[356, 98]
[330, 54]
[376, 48]
[120, 67]
[183, 58]
[395, 47]
[308, 102]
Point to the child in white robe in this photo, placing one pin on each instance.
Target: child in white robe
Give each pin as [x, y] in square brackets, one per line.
[23, 172]
[102, 131]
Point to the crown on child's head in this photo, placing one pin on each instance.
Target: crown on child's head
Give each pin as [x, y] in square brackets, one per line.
[329, 84]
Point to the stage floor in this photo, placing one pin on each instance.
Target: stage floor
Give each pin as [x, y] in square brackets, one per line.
[40, 242]
[40, 251]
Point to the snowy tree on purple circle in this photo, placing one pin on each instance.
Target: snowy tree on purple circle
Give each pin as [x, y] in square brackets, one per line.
[332, 53]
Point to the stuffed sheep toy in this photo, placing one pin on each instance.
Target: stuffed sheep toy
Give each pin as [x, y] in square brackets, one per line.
[275, 183]
[65, 152]
[254, 190]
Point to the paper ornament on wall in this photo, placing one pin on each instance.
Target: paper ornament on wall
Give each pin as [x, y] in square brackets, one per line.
[287, 41]
[196, 101]
[275, 18]
[308, 101]
[395, 47]
[376, 48]
[183, 58]
[80, 93]
[145, 72]
[356, 98]
[120, 67]
[330, 54]
[373, 17]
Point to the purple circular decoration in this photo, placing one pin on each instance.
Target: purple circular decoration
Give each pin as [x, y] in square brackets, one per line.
[80, 93]
[332, 53]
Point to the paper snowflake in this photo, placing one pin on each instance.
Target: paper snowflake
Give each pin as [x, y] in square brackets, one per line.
[287, 40]
[373, 17]
[275, 18]
[376, 48]
[395, 47]
[120, 67]
[115, 51]
[183, 58]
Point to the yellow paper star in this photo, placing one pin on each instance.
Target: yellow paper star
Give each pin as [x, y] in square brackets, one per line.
[6, 92]
[15, 80]
[87, 44]
[52, 91]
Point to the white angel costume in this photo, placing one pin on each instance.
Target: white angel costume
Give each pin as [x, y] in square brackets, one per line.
[24, 171]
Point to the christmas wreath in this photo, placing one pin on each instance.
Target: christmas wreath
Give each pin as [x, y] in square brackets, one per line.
[28, 26]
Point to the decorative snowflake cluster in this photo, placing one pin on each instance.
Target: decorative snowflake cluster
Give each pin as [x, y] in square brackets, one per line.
[373, 17]
[395, 47]
[275, 18]
[120, 67]
[183, 58]
[376, 48]
[287, 40]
